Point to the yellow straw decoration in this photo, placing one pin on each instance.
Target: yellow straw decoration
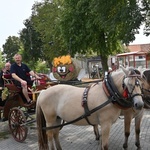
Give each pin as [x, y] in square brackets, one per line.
[64, 60]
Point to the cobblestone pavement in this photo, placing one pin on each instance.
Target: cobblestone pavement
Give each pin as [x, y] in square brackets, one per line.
[82, 137]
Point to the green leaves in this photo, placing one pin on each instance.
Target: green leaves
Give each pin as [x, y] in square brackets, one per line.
[11, 47]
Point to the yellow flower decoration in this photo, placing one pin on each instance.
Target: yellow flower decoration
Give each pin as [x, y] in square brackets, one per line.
[64, 60]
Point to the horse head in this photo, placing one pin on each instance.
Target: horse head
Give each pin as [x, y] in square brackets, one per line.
[132, 86]
[145, 73]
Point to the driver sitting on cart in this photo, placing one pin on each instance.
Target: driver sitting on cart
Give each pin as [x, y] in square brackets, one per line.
[21, 74]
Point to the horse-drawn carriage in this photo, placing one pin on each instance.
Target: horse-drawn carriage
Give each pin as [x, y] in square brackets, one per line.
[100, 95]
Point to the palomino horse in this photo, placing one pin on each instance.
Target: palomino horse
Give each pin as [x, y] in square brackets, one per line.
[131, 113]
[65, 102]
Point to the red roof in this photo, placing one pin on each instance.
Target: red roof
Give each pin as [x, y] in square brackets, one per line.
[138, 49]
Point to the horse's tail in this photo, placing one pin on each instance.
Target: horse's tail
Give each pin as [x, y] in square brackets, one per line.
[42, 136]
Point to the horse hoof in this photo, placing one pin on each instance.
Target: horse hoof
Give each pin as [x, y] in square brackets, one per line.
[125, 146]
[97, 139]
[138, 146]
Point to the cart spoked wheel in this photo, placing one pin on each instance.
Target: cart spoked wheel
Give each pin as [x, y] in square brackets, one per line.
[17, 125]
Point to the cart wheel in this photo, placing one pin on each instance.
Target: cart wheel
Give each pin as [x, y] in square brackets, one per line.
[16, 124]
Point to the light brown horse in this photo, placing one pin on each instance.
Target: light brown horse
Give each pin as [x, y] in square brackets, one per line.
[64, 101]
[131, 113]
[137, 114]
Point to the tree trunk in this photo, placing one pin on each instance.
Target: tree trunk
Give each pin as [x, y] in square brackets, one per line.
[102, 51]
[104, 61]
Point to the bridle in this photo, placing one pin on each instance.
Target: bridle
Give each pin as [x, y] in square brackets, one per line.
[137, 83]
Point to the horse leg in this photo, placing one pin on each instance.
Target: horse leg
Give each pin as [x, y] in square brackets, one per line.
[138, 120]
[53, 134]
[56, 135]
[105, 131]
[50, 139]
[96, 132]
[127, 124]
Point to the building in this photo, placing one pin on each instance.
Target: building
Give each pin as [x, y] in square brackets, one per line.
[137, 55]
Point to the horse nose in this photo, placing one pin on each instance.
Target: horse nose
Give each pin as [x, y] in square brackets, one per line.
[138, 104]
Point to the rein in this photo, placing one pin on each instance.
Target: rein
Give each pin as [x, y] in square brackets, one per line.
[75, 82]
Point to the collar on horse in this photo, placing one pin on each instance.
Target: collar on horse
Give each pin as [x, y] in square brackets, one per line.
[122, 101]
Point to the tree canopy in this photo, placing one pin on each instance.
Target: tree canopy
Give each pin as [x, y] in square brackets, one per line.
[11, 47]
[32, 43]
[99, 25]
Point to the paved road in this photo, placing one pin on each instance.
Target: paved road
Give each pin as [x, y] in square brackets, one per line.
[82, 138]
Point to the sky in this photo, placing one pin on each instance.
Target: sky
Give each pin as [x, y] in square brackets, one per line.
[12, 15]
[14, 12]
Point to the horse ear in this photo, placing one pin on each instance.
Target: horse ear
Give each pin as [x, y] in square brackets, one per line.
[126, 71]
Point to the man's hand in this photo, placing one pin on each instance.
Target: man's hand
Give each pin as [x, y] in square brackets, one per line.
[23, 83]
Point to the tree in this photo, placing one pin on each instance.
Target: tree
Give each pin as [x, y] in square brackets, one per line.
[2, 60]
[11, 47]
[145, 7]
[45, 19]
[99, 25]
[32, 44]
[58, 27]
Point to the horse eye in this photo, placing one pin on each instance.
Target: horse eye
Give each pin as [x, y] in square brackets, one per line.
[138, 82]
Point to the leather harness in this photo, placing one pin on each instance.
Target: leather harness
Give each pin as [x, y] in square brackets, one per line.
[84, 103]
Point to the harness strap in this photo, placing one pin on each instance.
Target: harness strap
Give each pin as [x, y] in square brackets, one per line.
[85, 105]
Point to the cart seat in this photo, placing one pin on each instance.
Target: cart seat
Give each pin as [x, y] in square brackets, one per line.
[8, 82]
[7, 76]
[13, 88]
